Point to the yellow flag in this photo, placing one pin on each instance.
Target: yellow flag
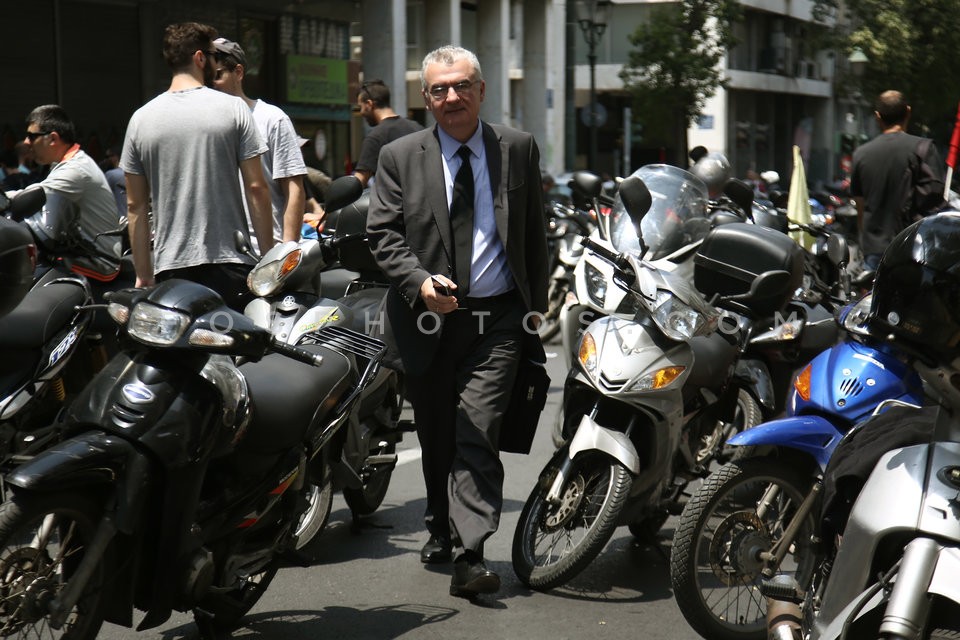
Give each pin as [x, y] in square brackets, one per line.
[798, 203]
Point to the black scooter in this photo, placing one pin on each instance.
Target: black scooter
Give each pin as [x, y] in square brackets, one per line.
[183, 477]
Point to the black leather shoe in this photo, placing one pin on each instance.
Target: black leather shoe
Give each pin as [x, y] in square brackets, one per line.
[437, 550]
[471, 578]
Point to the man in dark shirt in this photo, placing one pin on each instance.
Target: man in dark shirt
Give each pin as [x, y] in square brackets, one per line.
[374, 102]
[884, 173]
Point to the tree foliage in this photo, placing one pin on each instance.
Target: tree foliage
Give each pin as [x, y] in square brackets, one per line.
[911, 46]
[673, 68]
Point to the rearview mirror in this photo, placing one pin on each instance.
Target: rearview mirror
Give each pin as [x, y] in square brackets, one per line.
[341, 192]
[587, 184]
[636, 198]
[740, 193]
[837, 250]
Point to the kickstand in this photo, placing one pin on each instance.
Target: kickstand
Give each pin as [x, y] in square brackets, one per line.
[208, 631]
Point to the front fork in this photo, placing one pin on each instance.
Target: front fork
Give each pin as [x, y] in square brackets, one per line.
[591, 436]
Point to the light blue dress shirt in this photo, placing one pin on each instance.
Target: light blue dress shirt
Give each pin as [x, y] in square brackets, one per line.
[489, 273]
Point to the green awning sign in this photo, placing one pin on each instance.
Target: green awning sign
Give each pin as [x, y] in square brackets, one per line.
[316, 80]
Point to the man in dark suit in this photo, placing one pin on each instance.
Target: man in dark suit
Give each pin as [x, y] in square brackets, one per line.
[479, 233]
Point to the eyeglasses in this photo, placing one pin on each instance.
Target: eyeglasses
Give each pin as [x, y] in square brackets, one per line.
[441, 91]
[33, 135]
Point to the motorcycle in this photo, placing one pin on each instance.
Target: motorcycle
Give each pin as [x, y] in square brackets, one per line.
[288, 283]
[752, 518]
[565, 225]
[651, 384]
[889, 535]
[51, 348]
[183, 476]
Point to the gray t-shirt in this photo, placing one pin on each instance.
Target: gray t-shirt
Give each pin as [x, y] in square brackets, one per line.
[189, 145]
[80, 181]
[283, 158]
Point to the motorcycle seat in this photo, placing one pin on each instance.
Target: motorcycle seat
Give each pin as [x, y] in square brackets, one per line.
[44, 312]
[288, 396]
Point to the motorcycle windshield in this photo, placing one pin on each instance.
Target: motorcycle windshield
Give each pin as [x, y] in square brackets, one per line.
[677, 215]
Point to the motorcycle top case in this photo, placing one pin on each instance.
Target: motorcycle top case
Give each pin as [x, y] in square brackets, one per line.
[733, 255]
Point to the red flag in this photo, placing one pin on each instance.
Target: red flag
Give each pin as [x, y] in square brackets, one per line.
[954, 143]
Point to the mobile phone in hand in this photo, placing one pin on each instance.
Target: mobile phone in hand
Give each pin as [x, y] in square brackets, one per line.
[440, 287]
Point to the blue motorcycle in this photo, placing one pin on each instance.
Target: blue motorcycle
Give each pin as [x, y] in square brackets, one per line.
[755, 517]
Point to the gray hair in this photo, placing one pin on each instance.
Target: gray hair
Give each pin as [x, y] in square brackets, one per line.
[448, 55]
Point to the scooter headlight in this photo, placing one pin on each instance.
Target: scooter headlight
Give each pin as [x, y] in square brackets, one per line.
[156, 325]
[588, 354]
[677, 320]
[266, 279]
[596, 284]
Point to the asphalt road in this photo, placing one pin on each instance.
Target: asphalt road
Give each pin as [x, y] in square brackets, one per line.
[370, 584]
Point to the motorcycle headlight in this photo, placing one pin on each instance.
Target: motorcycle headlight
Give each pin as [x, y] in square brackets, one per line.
[677, 320]
[596, 284]
[659, 379]
[588, 354]
[156, 325]
[267, 279]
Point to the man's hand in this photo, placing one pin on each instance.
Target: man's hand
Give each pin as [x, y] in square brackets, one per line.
[436, 301]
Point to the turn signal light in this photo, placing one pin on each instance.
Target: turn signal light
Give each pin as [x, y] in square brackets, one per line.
[802, 383]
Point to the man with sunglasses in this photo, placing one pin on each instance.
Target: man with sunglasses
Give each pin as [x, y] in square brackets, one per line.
[283, 165]
[75, 185]
[456, 222]
[373, 101]
[181, 154]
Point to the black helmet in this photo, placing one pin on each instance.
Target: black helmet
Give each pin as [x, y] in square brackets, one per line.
[916, 294]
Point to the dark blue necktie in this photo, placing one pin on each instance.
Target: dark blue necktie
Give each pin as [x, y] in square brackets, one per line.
[461, 222]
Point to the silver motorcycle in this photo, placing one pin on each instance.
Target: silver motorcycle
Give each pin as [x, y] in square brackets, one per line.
[652, 381]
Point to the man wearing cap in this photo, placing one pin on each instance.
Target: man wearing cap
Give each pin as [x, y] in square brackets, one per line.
[283, 163]
[184, 155]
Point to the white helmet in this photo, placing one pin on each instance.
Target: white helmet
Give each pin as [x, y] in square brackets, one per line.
[714, 169]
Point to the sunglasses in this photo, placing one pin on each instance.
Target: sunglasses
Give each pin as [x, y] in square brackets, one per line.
[32, 136]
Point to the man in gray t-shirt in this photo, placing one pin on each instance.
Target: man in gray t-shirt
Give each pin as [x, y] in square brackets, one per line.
[182, 150]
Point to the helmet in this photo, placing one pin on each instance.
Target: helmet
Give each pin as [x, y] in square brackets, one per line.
[916, 294]
[714, 169]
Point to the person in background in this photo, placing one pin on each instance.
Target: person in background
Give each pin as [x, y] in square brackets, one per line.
[373, 100]
[182, 152]
[463, 281]
[883, 177]
[116, 179]
[75, 180]
[11, 179]
[283, 164]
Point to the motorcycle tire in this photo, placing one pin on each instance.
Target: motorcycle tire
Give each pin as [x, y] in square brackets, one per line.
[367, 499]
[714, 568]
[30, 577]
[591, 503]
[712, 447]
[314, 518]
[225, 609]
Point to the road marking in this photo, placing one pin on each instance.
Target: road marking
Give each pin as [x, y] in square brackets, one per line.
[408, 455]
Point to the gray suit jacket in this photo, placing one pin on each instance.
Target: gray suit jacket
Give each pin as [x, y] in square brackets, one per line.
[408, 225]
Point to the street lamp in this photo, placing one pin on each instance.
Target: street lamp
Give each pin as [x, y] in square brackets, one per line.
[592, 18]
[858, 64]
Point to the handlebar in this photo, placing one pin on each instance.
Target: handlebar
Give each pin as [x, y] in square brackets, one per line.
[296, 353]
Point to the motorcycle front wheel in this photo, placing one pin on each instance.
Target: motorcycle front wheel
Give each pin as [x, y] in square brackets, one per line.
[738, 512]
[314, 519]
[43, 538]
[550, 325]
[553, 543]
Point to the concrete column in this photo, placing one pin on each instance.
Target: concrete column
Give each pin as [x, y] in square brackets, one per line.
[543, 88]
[493, 33]
[385, 47]
[443, 26]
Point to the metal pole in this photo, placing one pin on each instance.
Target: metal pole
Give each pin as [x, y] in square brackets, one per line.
[592, 159]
